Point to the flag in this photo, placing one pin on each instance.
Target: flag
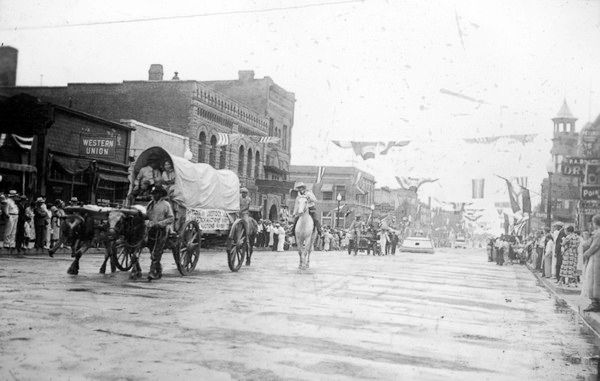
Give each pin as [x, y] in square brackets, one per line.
[266, 139]
[506, 223]
[413, 183]
[521, 181]
[512, 195]
[368, 150]
[320, 173]
[358, 177]
[478, 187]
[526, 201]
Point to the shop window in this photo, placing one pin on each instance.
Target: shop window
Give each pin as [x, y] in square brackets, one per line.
[327, 196]
[257, 165]
[223, 157]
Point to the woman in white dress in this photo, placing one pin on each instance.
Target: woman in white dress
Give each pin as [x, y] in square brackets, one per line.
[281, 237]
[548, 254]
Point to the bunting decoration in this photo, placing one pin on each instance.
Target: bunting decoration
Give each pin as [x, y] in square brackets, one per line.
[320, 173]
[477, 187]
[266, 139]
[224, 139]
[369, 150]
[521, 138]
[23, 141]
[413, 183]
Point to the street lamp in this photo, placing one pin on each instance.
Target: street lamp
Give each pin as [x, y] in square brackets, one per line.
[550, 169]
[337, 219]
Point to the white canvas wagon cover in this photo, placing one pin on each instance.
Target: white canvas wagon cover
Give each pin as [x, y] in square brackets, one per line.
[197, 185]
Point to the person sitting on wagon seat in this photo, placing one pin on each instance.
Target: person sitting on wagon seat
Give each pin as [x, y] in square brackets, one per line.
[160, 220]
[145, 179]
[244, 207]
[310, 196]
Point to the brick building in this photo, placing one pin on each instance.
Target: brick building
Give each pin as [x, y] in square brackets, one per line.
[59, 152]
[565, 189]
[355, 187]
[254, 108]
[401, 203]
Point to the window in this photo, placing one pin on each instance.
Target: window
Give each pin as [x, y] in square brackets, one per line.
[249, 163]
[327, 196]
[341, 190]
[241, 153]
[212, 155]
[326, 218]
[202, 148]
[268, 160]
[223, 157]
[285, 137]
[257, 165]
[271, 126]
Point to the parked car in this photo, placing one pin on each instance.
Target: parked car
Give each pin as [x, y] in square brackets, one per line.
[460, 242]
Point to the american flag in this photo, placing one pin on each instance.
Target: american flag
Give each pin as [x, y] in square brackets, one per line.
[320, 173]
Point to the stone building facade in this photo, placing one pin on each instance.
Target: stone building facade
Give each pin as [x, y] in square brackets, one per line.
[196, 110]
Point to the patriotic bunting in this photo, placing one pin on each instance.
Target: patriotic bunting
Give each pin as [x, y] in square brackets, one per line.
[369, 150]
[265, 139]
[477, 187]
[513, 195]
[23, 142]
[224, 139]
[413, 183]
[521, 138]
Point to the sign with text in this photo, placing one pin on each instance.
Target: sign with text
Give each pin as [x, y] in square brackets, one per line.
[589, 207]
[575, 166]
[209, 219]
[592, 174]
[99, 146]
[590, 192]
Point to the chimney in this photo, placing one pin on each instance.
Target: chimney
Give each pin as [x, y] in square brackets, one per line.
[245, 75]
[8, 65]
[176, 76]
[155, 73]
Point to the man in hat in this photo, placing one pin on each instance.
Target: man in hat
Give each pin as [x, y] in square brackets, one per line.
[146, 178]
[355, 230]
[310, 196]
[10, 209]
[244, 207]
[160, 220]
[40, 217]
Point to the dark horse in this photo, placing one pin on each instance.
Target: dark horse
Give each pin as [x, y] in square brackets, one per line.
[237, 235]
[127, 231]
[78, 231]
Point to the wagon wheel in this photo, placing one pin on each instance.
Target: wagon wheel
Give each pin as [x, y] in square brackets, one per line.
[187, 250]
[237, 253]
[122, 255]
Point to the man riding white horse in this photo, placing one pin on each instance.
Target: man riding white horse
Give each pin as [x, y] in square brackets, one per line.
[311, 199]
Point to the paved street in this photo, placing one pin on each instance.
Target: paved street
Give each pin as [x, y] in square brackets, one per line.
[451, 315]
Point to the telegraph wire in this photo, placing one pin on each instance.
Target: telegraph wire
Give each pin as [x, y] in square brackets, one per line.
[177, 17]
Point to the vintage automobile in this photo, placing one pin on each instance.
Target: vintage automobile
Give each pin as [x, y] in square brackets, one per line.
[460, 242]
[415, 244]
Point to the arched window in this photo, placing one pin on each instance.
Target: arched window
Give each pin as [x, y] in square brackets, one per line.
[223, 157]
[212, 155]
[249, 163]
[257, 165]
[241, 154]
[202, 148]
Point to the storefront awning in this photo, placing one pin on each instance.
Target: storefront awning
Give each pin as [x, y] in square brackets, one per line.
[113, 178]
[17, 167]
[279, 171]
[327, 188]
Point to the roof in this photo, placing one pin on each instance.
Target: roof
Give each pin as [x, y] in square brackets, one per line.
[565, 112]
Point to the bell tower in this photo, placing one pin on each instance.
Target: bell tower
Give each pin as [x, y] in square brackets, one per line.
[564, 140]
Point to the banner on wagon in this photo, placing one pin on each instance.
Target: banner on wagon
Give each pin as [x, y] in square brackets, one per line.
[209, 219]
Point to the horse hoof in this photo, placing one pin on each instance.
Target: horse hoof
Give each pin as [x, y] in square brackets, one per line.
[72, 272]
[247, 263]
[135, 276]
[102, 270]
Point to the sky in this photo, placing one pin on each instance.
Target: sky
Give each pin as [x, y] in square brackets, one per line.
[360, 70]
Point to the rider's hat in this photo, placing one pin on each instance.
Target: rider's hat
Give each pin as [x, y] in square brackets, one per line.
[12, 193]
[244, 190]
[300, 185]
[159, 189]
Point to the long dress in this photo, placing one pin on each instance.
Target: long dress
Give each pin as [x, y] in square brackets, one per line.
[592, 273]
[568, 268]
[548, 254]
[281, 241]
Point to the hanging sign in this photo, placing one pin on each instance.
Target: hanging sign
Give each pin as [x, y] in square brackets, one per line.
[590, 192]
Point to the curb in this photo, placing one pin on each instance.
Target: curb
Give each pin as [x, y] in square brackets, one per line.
[591, 319]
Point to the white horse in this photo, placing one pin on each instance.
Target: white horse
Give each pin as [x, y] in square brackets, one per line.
[305, 233]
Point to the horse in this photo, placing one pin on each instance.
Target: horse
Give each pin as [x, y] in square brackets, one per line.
[78, 231]
[236, 236]
[127, 227]
[305, 233]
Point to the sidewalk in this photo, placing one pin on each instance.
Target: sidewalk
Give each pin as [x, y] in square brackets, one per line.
[571, 296]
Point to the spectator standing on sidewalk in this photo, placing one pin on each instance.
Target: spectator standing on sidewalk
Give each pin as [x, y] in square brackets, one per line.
[570, 245]
[591, 260]
[39, 218]
[558, 250]
[548, 255]
[584, 244]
